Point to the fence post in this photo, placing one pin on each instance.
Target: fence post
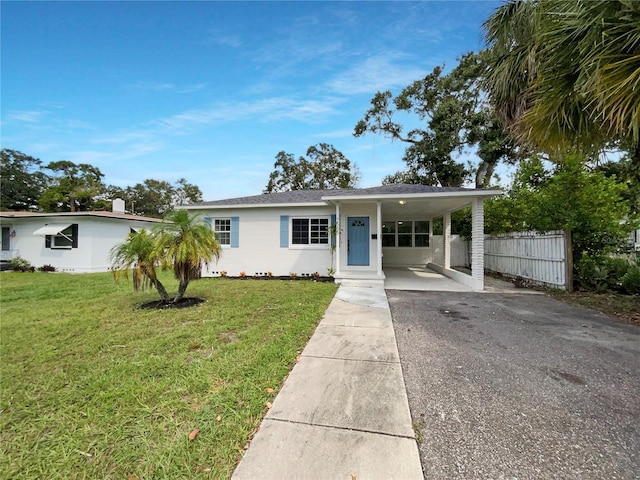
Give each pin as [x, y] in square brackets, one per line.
[568, 254]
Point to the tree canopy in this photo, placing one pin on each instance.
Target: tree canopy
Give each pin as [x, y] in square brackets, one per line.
[21, 181]
[72, 188]
[155, 198]
[324, 167]
[454, 113]
[569, 196]
[75, 187]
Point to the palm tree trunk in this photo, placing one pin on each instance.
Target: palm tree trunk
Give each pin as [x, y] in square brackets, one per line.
[182, 288]
[161, 290]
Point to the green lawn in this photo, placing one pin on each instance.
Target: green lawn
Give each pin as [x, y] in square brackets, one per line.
[93, 387]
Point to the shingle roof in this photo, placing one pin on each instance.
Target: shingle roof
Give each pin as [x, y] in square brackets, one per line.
[315, 196]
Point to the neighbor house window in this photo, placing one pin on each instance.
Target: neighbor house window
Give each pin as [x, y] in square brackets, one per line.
[310, 231]
[405, 233]
[222, 227]
[67, 238]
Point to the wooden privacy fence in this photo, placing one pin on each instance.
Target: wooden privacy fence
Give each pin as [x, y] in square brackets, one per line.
[543, 259]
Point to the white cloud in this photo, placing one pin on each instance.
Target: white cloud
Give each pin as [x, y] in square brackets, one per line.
[153, 86]
[191, 88]
[345, 133]
[228, 41]
[382, 72]
[30, 116]
[167, 87]
[277, 108]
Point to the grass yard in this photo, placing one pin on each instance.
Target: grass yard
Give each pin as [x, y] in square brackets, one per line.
[93, 387]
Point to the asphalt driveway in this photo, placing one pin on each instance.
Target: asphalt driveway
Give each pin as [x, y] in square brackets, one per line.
[518, 386]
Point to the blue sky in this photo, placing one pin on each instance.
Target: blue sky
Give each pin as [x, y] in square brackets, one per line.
[212, 91]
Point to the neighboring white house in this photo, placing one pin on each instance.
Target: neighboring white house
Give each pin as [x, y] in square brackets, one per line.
[391, 225]
[77, 242]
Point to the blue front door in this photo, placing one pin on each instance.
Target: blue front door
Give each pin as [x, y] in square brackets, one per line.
[358, 241]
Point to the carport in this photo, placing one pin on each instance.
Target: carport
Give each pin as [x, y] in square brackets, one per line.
[389, 227]
[421, 279]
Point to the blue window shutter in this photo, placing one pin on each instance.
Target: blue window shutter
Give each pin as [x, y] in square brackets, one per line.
[284, 231]
[209, 220]
[235, 232]
[333, 237]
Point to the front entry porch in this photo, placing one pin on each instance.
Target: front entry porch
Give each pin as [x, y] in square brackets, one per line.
[404, 278]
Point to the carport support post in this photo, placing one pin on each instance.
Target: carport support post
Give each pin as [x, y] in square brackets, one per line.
[446, 241]
[379, 237]
[338, 240]
[477, 243]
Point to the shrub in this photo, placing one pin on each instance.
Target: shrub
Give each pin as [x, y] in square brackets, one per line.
[19, 264]
[602, 273]
[47, 268]
[591, 274]
[631, 280]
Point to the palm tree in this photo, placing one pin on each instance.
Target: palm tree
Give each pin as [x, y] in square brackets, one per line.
[139, 253]
[185, 244]
[566, 73]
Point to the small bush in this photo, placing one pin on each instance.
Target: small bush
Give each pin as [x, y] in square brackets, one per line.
[631, 280]
[591, 274]
[19, 264]
[618, 274]
[47, 268]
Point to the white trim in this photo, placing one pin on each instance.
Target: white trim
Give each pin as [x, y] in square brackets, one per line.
[253, 205]
[305, 246]
[338, 240]
[213, 228]
[334, 199]
[379, 237]
[397, 196]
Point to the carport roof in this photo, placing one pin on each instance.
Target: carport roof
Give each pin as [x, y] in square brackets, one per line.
[324, 197]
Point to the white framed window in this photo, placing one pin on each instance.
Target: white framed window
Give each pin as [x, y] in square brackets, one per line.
[405, 233]
[310, 231]
[64, 239]
[222, 228]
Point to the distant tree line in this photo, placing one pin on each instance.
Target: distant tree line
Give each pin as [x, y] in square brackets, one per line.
[63, 186]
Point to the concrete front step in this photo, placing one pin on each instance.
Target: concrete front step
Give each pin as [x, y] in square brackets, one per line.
[360, 282]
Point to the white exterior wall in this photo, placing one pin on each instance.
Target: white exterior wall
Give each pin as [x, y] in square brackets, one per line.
[406, 257]
[96, 237]
[259, 248]
[459, 251]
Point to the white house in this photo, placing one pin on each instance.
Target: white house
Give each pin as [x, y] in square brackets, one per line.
[291, 232]
[77, 242]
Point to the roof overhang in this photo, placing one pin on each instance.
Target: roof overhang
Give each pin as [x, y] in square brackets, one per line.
[424, 204]
[417, 205]
[414, 196]
[253, 205]
[52, 229]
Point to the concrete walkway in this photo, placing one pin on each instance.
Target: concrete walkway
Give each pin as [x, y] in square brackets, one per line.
[343, 411]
